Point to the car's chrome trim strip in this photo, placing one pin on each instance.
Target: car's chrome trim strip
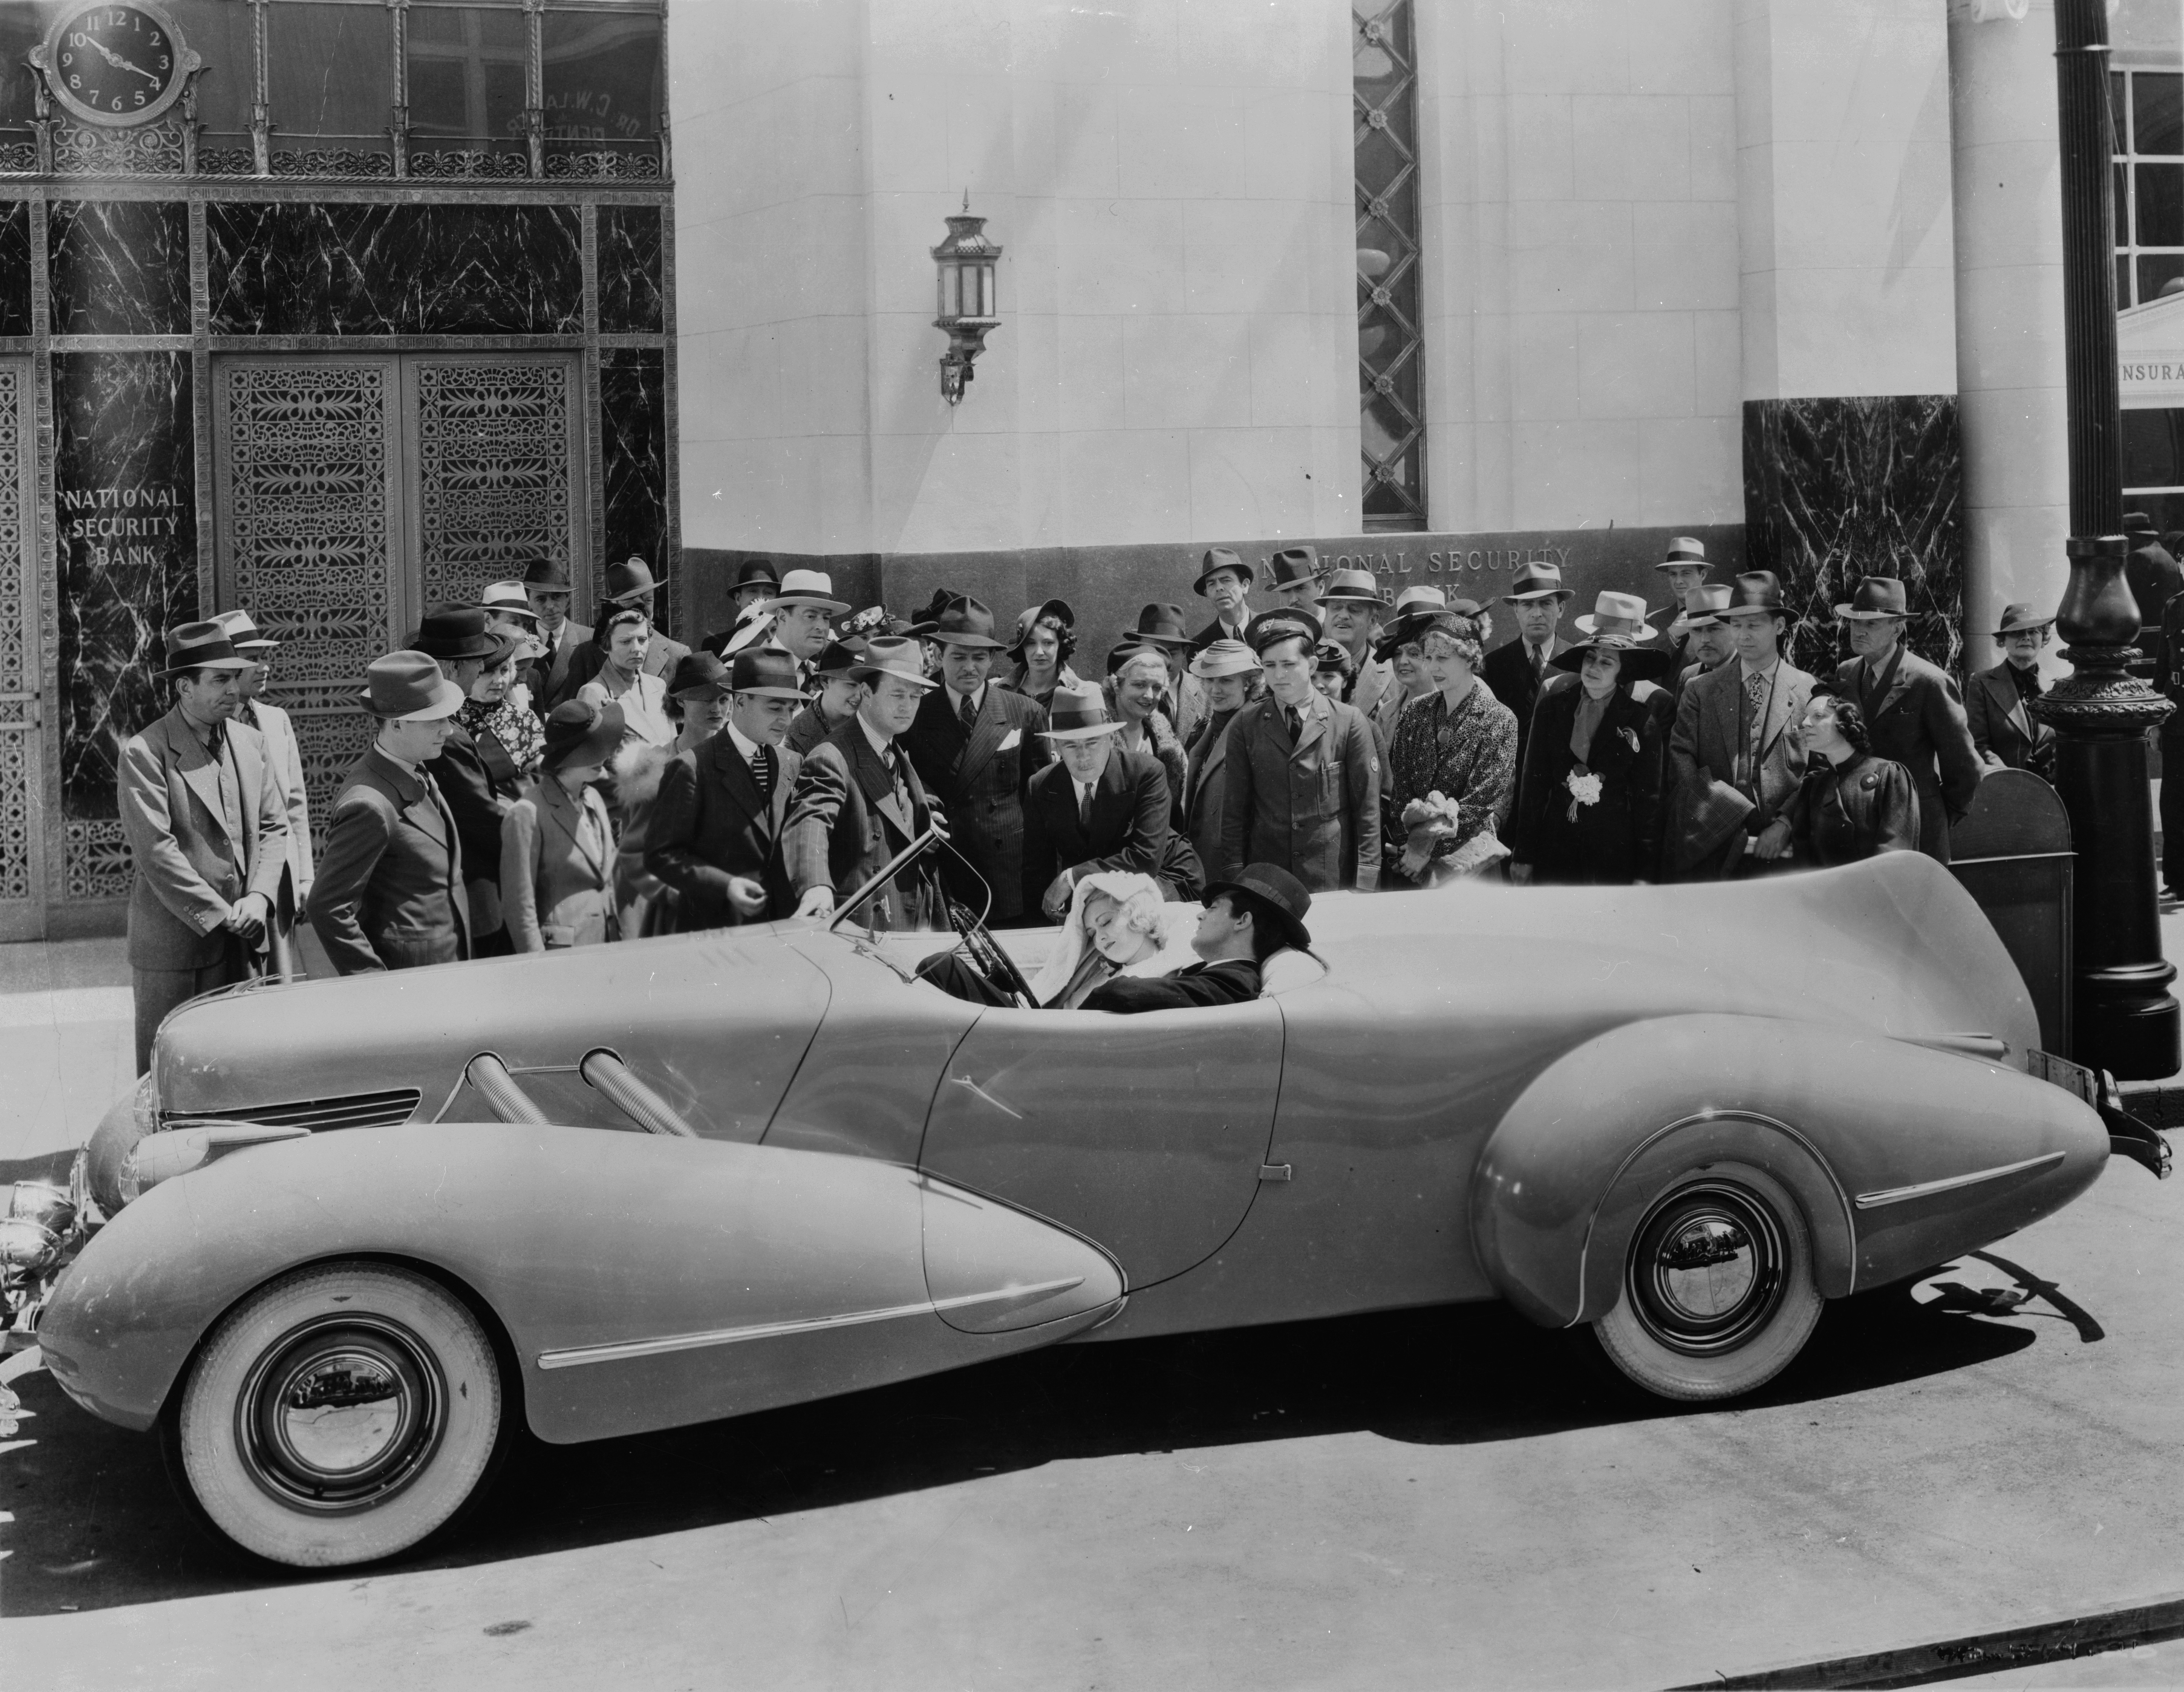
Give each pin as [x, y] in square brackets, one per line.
[1898, 1195]
[621, 1351]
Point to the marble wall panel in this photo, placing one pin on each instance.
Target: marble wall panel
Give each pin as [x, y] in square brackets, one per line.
[120, 267]
[15, 268]
[632, 298]
[291, 268]
[633, 437]
[1840, 487]
[125, 477]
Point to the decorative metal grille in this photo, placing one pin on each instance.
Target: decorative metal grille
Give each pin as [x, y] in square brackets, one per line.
[311, 464]
[1383, 85]
[98, 866]
[494, 482]
[19, 671]
[153, 149]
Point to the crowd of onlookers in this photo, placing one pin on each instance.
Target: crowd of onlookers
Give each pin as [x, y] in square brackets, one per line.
[534, 784]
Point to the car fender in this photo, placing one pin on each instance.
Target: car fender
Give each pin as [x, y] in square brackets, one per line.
[1900, 1156]
[642, 1281]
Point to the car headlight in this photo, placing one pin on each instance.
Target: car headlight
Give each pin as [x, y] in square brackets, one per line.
[145, 1106]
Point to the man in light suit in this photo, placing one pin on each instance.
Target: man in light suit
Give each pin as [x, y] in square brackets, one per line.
[546, 584]
[1098, 808]
[208, 827]
[389, 893]
[1350, 603]
[1737, 753]
[287, 758]
[1515, 672]
[1912, 709]
[715, 835]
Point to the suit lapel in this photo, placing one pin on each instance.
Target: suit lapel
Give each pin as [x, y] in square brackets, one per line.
[567, 815]
[986, 736]
[1110, 793]
[1214, 757]
[879, 791]
[2008, 702]
[735, 776]
[1315, 722]
[197, 770]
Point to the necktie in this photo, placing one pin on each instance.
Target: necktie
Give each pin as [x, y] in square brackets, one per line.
[1755, 693]
[762, 772]
[1296, 722]
[967, 710]
[1539, 663]
[1084, 807]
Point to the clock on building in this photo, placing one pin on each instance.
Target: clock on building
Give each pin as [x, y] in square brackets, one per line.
[115, 64]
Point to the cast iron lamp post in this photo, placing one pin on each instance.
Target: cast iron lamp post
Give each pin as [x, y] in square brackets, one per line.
[969, 311]
[2125, 1017]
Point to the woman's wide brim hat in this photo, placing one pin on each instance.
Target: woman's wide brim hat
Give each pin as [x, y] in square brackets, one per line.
[1218, 658]
[901, 658]
[766, 673]
[583, 732]
[807, 587]
[204, 646]
[1079, 714]
[2020, 618]
[1614, 613]
[1874, 598]
[1279, 888]
[965, 622]
[1640, 663]
[1213, 561]
[408, 687]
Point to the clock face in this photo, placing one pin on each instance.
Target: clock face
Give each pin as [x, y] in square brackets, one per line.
[116, 64]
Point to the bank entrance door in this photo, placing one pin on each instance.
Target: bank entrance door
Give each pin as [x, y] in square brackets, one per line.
[355, 490]
[22, 670]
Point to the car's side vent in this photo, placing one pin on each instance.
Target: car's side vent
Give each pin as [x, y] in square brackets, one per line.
[351, 1110]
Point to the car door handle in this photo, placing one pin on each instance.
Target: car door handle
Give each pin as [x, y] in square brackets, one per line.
[980, 1093]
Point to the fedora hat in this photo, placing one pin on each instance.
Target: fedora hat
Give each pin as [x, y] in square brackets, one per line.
[1279, 889]
[965, 622]
[1684, 550]
[1355, 585]
[408, 687]
[1640, 663]
[1215, 560]
[756, 572]
[1282, 623]
[506, 599]
[837, 660]
[1162, 625]
[700, 673]
[203, 646]
[1420, 597]
[1753, 590]
[766, 674]
[1614, 613]
[1537, 582]
[1292, 567]
[1700, 605]
[631, 579]
[1874, 598]
[1224, 658]
[2020, 618]
[583, 732]
[453, 632]
[243, 634]
[807, 587]
[1079, 714]
[1056, 611]
[892, 655]
[547, 576]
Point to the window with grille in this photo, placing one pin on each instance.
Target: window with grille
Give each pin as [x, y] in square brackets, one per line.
[2148, 110]
[1383, 85]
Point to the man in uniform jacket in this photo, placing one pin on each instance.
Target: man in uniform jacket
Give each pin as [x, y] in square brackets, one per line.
[715, 834]
[1303, 772]
[2004, 732]
[1247, 920]
[858, 801]
[974, 746]
[630, 587]
[389, 893]
[546, 585]
[1912, 709]
[1737, 753]
[286, 759]
[1516, 671]
[476, 778]
[208, 828]
[1097, 808]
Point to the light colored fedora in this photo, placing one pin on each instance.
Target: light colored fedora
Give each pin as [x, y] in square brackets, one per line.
[1614, 613]
[893, 657]
[1079, 714]
[807, 587]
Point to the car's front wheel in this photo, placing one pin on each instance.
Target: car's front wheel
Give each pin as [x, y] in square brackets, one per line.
[1717, 1287]
[340, 1414]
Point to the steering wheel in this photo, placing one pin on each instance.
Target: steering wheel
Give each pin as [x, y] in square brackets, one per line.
[987, 956]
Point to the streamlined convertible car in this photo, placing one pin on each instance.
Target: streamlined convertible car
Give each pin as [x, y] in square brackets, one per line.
[352, 1231]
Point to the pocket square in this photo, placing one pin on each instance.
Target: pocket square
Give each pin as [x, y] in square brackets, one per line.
[1013, 738]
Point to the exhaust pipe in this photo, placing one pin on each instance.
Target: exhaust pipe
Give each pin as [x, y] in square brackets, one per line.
[503, 1097]
[631, 1096]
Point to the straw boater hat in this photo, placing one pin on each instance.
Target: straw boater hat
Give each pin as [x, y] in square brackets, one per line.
[2017, 618]
[630, 581]
[1753, 592]
[1213, 562]
[1537, 582]
[1284, 623]
[767, 675]
[1224, 658]
[507, 599]
[1292, 567]
[1700, 605]
[1357, 586]
[1079, 714]
[807, 587]
[698, 675]
[243, 634]
[408, 687]
[964, 621]
[1876, 597]
[1684, 550]
[1614, 613]
[893, 655]
[547, 576]
[1279, 888]
[207, 647]
[583, 732]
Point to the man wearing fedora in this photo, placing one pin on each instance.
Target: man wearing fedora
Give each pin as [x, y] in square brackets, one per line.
[834, 701]
[546, 586]
[1229, 671]
[1682, 568]
[858, 800]
[208, 827]
[477, 779]
[1516, 671]
[756, 582]
[1224, 579]
[1701, 636]
[799, 620]
[1293, 580]
[1912, 709]
[2005, 734]
[974, 745]
[389, 893]
[1303, 771]
[631, 586]
[287, 758]
[715, 834]
[1098, 807]
[1737, 753]
[1248, 919]
[1350, 604]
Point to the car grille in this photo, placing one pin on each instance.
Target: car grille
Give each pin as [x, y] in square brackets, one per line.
[351, 1110]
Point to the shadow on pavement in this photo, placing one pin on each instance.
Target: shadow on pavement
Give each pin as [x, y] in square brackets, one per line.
[96, 1524]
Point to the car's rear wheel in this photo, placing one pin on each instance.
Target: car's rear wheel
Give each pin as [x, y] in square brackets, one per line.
[340, 1414]
[1717, 1287]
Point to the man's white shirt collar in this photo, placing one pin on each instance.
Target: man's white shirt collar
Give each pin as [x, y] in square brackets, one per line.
[880, 742]
[742, 742]
[1747, 669]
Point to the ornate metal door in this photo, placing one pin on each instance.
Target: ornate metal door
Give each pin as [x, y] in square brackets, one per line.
[496, 457]
[22, 669]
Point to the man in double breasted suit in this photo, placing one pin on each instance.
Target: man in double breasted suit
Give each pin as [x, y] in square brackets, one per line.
[1098, 807]
[1516, 671]
[2004, 732]
[715, 835]
[208, 827]
[1735, 752]
[1912, 709]
[389, 893]
[974, 745]
[1303, 772]
[858, 801]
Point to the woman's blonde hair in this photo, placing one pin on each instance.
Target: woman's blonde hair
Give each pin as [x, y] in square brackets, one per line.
[1140, 910]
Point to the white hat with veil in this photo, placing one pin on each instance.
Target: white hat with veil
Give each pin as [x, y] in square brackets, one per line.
[1163, 928]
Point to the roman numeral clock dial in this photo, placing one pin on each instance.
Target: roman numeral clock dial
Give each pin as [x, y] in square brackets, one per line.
[115, 64]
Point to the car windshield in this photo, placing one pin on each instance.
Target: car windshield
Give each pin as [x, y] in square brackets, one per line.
[887, 872]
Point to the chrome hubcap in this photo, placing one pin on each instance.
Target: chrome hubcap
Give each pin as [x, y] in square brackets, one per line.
[1706, 1268]
[341, 1414]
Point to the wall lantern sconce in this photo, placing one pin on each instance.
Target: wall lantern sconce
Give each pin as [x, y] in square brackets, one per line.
[967, 307]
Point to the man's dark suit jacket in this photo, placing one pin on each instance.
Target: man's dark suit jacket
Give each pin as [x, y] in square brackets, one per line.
[1130, 828]
[2003, 732]
[1508, 672]
[1919, 723]
[844, 824]
[389, 892]
[478, 781]
[1213, 631]
[807, 728]
[980, 774]
[1229, 982]
[707, 824]
[661, 658]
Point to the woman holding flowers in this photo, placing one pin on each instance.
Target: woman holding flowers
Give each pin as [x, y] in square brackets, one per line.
[1452, 765]
[1588, 804]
